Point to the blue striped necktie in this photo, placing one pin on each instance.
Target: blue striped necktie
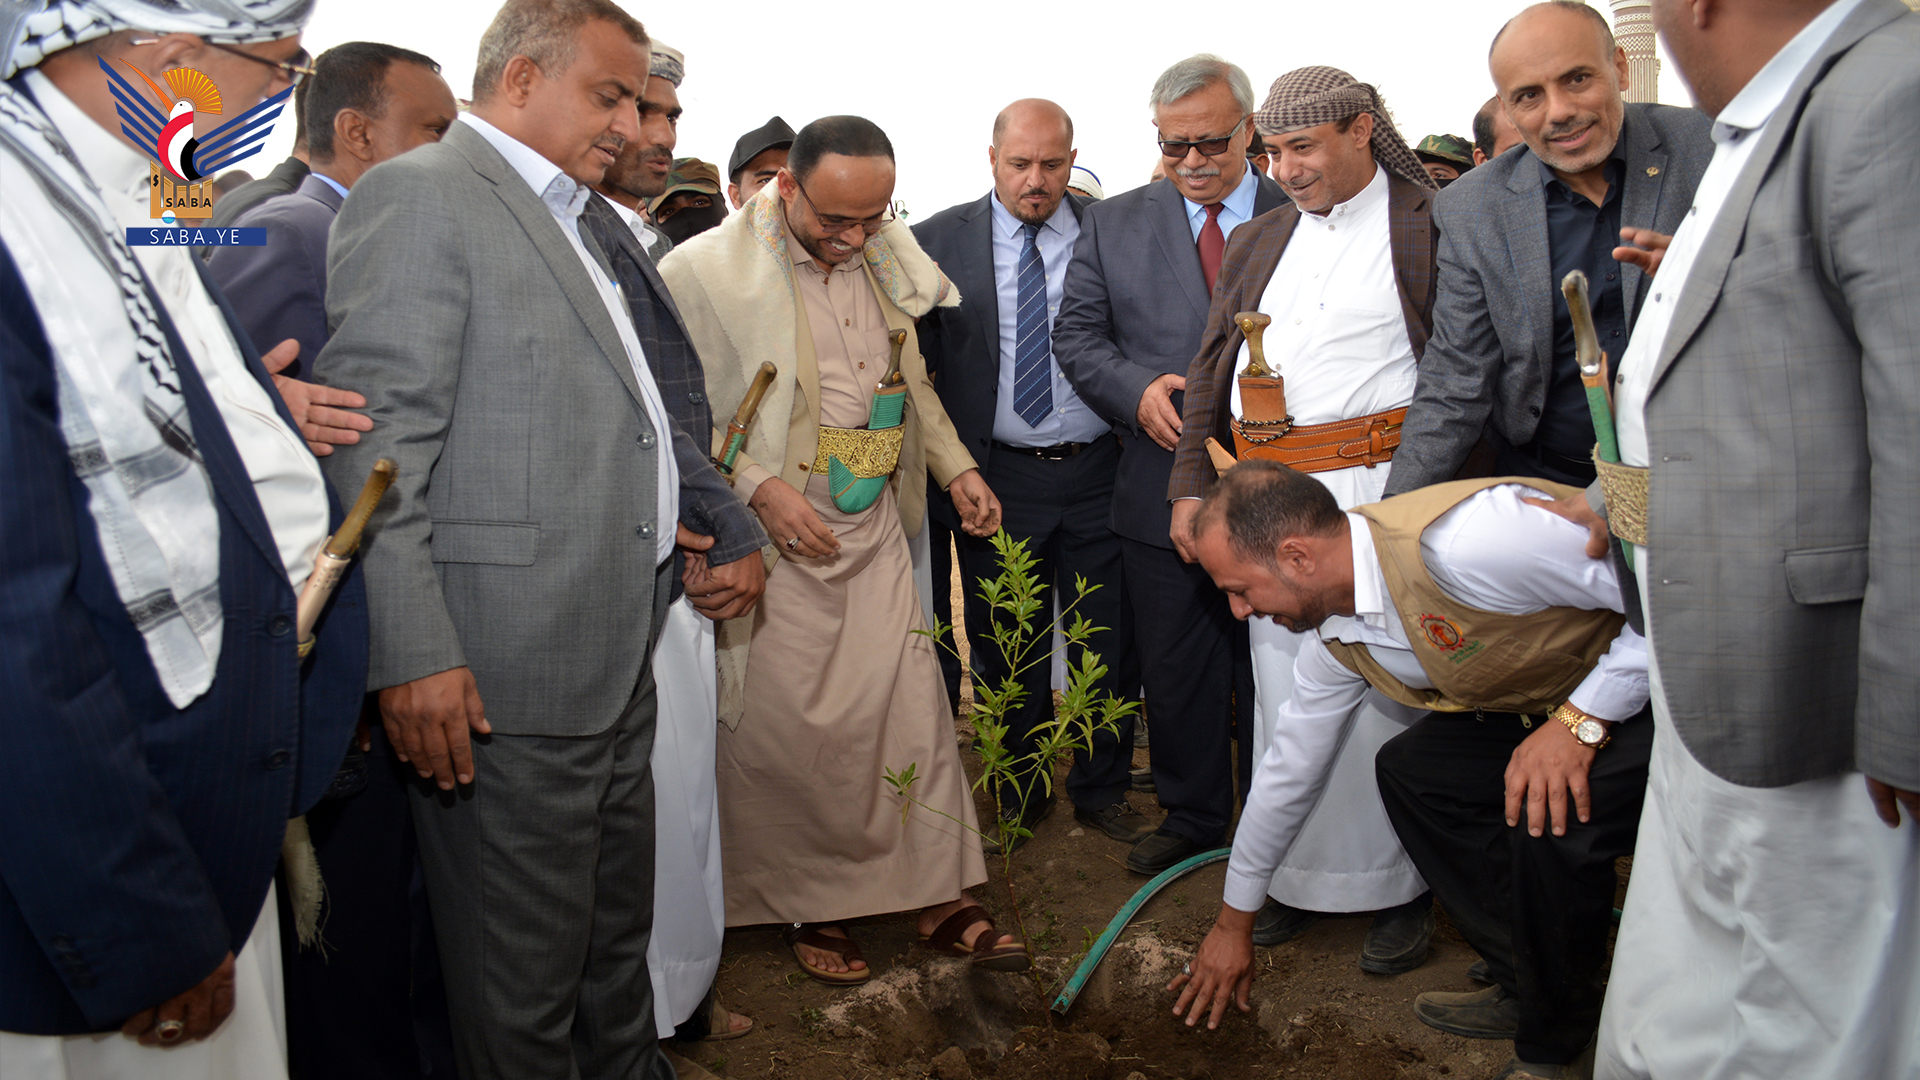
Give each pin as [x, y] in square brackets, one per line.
[1033, 335]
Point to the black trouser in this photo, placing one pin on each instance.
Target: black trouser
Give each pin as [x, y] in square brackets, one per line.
[370, 1004]
[1060, 508]
[1537, 909]
[1192, 651]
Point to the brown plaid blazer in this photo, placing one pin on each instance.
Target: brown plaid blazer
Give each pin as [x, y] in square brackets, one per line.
[1250, 260]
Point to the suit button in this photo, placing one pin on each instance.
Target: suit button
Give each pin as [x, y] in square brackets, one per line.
[804, 466]
[646, 441]
[279, 625]
[696, 397]
[278, 759]
[1533, 410]
[645, 531]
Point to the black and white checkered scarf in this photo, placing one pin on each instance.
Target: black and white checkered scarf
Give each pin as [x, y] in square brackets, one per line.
[1311, 96]
[32, 30]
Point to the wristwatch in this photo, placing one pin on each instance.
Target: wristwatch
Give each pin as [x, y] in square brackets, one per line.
[1590, 731]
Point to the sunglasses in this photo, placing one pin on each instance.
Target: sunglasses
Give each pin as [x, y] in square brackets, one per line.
[1175, 149]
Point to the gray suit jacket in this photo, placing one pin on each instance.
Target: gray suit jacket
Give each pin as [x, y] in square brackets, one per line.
[1784, 521]
[1134, 309]
[1491, 357]
[279, 290]
[521, 537]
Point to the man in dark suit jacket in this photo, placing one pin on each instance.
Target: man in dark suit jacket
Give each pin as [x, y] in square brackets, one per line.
[1134, 308]
[1048, 455]
[1501, 359]
[370, 102]
[143, 813]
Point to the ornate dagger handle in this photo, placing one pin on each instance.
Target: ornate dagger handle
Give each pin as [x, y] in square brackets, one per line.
[897, 339]
[1253, 324]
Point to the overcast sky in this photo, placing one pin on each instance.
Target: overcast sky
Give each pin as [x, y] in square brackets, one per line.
[933, 77]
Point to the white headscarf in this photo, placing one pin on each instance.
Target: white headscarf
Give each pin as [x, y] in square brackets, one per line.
[32, 30]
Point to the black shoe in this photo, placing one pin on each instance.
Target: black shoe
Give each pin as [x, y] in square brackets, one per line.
[1036, 813]
[1480, 973]
[1142, 780]
[1161, 850]
[1120, 821]
[1277, 922]
[1481, 1014]
[1398, 939]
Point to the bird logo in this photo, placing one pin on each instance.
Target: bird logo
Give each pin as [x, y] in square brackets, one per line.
[168, 128]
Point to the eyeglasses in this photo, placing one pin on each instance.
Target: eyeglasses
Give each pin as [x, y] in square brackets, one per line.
[295, 69]
[836, 225]
[1176, 149]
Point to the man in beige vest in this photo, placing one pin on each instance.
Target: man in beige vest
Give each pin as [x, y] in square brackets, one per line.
[1464, 598]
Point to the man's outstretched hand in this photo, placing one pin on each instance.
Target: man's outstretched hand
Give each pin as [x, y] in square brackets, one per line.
[1643, 248]
[1575, 509]
[1548, 771]
[1221, 972]
[428, 721]
[320, 412]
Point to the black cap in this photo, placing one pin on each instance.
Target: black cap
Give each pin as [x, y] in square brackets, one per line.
[769, 136]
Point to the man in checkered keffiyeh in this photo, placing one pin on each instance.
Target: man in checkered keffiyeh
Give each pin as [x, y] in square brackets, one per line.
[1311, 96]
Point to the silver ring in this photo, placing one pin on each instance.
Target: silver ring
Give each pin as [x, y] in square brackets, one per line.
[169, 1030]
[793, 543]
[1186, 969]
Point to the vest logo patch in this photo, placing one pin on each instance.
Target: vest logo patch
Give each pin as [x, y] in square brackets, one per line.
[1443, 634]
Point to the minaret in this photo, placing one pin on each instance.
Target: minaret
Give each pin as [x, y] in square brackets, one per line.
[1633, 29]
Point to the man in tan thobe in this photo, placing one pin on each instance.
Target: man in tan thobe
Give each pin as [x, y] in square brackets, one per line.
[825, 686]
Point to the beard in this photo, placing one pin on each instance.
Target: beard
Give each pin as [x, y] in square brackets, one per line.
[1033, 217]
[630, 174]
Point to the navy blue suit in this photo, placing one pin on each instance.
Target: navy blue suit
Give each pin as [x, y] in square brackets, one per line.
[279, 289]
[137, 840]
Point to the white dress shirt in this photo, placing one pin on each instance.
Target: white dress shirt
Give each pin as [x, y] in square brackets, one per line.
[636, 224]
[1339, 335]
[1071, 420]
[565, 199]
[1235, 210]
[1492, 552]
[286, 476]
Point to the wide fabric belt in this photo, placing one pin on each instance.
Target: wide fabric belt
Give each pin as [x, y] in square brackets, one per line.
[1364, 440]
[865, 453]
[1625, 487]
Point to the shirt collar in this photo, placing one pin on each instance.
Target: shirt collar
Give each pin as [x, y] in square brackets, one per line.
[1239, 200]
[1369, 585]
[330, 182]
[1751, 108]
[555, 188]
[120, 171]
[1008, 225]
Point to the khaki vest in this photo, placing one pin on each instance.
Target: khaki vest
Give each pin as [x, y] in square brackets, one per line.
[1476, 659]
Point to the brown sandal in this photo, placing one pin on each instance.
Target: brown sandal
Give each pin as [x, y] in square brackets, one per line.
[949, 938]
[800, 934]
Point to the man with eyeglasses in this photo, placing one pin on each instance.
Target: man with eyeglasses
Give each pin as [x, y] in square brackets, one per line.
[828, 686]
[162, 515]
[1131, 319]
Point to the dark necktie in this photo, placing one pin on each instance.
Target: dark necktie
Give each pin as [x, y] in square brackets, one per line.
[1032, 335]
[1212, 245]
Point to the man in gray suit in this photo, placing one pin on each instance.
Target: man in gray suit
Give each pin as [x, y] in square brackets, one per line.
[522, 565]
[1131, 317]
[1773, 923]
[1501, 359]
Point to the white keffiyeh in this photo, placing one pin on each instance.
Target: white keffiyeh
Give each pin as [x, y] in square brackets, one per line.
[125, 422]
[32, 30]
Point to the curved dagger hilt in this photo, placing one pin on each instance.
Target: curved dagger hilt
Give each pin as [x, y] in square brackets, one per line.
[1253, 324]
[898, 339]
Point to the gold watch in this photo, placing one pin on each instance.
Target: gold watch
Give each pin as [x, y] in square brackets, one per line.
[1589, 730]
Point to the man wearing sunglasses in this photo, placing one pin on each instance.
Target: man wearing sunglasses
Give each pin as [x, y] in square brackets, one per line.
[828, 686]
[162, 516]
[1131, 318]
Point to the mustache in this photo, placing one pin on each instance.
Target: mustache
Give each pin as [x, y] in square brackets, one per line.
[657, 152]
[1568, 127]
[1202, 171]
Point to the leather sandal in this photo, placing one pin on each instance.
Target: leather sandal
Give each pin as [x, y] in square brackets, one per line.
[800, 934]
[949, 938]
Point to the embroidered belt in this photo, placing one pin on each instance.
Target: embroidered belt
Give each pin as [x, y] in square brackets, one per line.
[1625, 487]
[1363, 440]
[866, 453]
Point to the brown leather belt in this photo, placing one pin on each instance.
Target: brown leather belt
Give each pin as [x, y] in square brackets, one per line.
[1363, 440]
